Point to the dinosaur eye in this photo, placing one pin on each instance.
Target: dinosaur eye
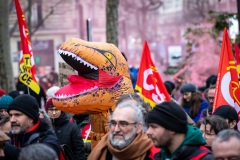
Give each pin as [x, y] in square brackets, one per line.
[111, 58]
[108, 55]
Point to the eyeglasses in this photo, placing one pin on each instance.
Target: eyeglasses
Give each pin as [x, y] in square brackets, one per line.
[228, 158]
[211, 98]
[121, 124]
[53, 110]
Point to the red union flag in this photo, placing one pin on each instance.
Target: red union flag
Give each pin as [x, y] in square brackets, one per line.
[237, 56]
[27, 66]
[149, 82]
[227, 85]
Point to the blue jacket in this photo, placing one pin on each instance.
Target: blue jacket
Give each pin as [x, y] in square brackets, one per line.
[203, 106]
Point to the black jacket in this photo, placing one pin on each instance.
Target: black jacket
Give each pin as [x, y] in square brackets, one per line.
[68, 133]
[39, 133]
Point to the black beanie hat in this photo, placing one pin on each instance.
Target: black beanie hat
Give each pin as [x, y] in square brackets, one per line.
[226, 111]
[188, 87]
[26, 104]
[170, 116]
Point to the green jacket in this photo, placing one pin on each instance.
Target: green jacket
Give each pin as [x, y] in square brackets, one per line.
[191, 147]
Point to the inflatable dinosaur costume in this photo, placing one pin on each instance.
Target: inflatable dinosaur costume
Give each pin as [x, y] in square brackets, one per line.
[102, 77]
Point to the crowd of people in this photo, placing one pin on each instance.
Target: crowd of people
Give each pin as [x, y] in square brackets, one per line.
[181, 129]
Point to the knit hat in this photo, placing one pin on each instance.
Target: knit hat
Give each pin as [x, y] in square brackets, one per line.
[26, 104]
[5, 100]
[2, 92]
[169, 115]
[226, 111]
[188, 87]
[49, 104]
[52, 90]
[14, 94]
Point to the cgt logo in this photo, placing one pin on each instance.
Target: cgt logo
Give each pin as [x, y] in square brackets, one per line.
[152, 87]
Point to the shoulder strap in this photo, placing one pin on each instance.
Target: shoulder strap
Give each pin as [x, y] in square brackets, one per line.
[67, 152]
[202, 152]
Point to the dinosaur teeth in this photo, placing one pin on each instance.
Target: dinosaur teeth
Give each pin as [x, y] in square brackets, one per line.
[75, 57]
[65, 96]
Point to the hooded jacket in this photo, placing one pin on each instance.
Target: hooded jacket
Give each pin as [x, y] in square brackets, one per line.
[68, 133]
[192, 148]
[39, 133]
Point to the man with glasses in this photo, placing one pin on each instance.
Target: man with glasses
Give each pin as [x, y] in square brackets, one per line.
[126, 138]
[226, 145]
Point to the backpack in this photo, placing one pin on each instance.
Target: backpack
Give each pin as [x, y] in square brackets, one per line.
[66, 153]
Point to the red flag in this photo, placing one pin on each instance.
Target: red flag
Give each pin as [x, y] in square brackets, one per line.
[149, 82]
[227, 85]
[27, 66]
[237, 55]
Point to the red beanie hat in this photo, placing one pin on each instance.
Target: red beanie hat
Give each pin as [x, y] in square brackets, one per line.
[48, 104]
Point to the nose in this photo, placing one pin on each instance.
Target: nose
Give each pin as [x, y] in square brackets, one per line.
[54, 112]
[12, 119]
[148, 132]
[203, 135]
[116, 129]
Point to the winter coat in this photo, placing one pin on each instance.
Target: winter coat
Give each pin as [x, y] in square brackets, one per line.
[191, 148]
[203, 106]
[39, 133]
[68, 133]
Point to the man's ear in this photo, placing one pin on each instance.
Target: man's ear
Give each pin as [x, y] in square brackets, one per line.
[232, 124]
[139, 126]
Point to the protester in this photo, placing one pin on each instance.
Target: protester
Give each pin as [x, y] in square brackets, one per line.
[170, 86]
[192, 101]
[5, 124]
[229, 114]
[2, 92]
[14, 93]
[27, 128]
[4, 103]
[37, 151]
[44, 117]
[126, 138]
[66, 131]
[226, 145]
[40, 97]
[210, 127]
[169, 131]
[50, 92]
[210, 93]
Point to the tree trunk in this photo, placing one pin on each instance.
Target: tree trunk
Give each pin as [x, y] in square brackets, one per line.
[112, 21]
[6, 72]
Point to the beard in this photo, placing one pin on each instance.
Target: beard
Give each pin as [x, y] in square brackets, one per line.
[124, 142]
[17, 128]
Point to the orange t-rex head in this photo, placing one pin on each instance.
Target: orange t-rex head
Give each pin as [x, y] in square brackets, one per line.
[102, 77]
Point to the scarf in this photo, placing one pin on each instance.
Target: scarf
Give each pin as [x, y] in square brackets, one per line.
[135, 151]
